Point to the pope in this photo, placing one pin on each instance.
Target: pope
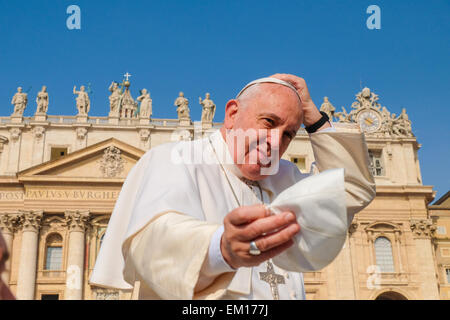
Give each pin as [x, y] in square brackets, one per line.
[242, 223]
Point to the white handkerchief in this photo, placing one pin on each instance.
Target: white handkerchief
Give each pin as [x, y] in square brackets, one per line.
[319, 205]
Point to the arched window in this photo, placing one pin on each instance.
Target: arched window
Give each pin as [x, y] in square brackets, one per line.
[383, 254]
[391, 295]
[54, 252]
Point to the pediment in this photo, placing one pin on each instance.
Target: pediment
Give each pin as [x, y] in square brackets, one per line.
[382, 225]
[109, 160]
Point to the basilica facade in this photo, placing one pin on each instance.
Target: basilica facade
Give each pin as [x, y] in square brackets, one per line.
[61, 175]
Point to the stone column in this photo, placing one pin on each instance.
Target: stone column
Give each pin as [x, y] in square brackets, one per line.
[422, 233]
[38, 145]
[81, 136]
[7, 226]
[26, 280]
[345, 288]
[144, 135]
[3, 162]
[76, 223]
[14, 149]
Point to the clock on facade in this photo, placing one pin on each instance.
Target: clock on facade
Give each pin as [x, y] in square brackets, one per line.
[369, 120]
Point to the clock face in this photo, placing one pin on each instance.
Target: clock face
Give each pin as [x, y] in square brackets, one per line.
[369, 121]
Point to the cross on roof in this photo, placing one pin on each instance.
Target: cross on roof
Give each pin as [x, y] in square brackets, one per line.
[127, 75]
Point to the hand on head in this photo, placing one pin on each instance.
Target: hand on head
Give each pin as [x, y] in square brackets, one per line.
[310, 112]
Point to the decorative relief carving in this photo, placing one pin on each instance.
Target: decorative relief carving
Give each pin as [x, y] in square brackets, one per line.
[77, 220]
[370, 236]
[112, 163]
[15, 134]
[423, 228]
[3, 141]
[397, 235]
[353, 227]
[8, 222]
[181, 135]
[38, 132]
[53, 222]
[81, 133]
[383, 229]
[106, 294]
[144, 134]
[374, 119]
[30, 220]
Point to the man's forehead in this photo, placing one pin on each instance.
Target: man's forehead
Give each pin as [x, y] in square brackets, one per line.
[278, 99]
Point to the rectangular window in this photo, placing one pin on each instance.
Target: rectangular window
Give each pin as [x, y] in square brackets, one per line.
[57, 153]
[54, 258]
[383, 254]
[300, 162]
[445, 252]
[441, 230]
[376, 163]
[447, 273]
[50, 297]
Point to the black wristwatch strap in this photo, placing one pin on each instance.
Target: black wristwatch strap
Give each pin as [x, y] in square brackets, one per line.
[313, 128]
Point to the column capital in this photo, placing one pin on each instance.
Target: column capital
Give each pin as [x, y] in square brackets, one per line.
[3, 141]
[77, 220]
[422, 229]
[8, 222]
[353, 227]
[38, 132]
[15, 133]
[30, 220]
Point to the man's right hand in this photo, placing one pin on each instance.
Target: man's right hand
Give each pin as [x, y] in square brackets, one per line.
[271, 233]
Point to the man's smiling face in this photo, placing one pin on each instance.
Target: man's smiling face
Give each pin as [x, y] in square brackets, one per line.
[270, 116]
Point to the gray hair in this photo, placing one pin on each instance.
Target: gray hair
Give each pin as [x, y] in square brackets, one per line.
[249, 94]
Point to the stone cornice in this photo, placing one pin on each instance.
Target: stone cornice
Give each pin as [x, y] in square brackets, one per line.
[74, 180]
[44, 124]
[419, 190]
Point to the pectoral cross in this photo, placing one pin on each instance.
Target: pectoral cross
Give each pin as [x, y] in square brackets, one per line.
[272, 279]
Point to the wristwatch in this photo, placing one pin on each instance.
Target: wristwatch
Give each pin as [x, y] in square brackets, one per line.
[313, 128]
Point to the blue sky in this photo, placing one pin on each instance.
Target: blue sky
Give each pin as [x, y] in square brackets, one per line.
[219, 46]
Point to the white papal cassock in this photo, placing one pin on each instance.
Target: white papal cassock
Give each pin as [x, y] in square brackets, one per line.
[173, 203]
